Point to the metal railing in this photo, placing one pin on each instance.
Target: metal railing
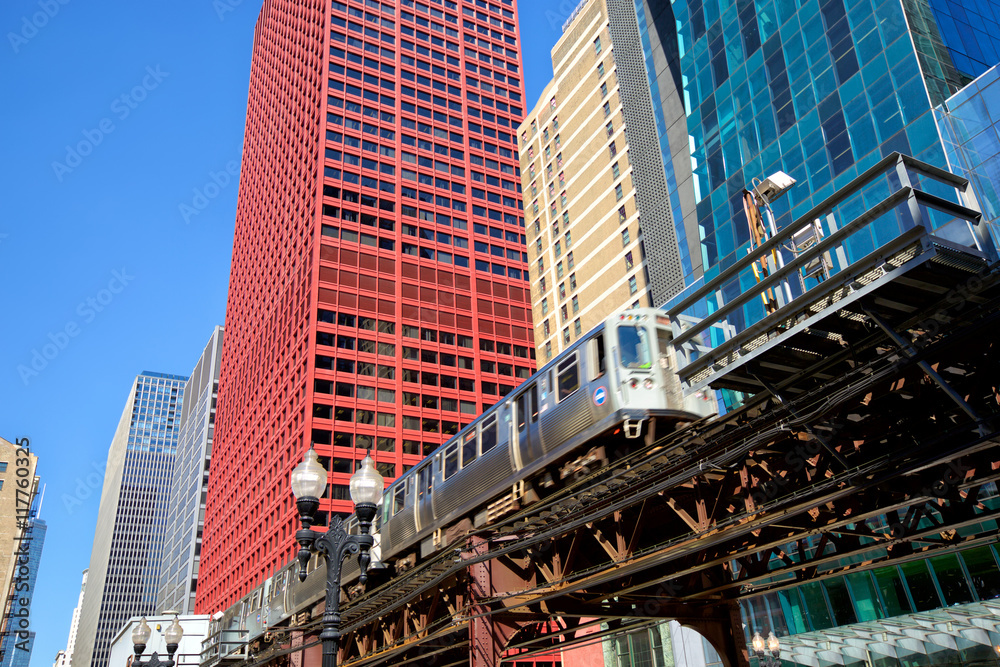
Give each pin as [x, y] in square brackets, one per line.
[896, 209]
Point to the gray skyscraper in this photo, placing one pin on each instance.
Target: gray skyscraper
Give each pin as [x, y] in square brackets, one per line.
[186, 509]
[125, 561]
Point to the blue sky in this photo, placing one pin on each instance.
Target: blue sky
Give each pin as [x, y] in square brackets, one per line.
[120, 118]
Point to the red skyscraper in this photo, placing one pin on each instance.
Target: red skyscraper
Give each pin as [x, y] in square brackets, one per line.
[378, 295]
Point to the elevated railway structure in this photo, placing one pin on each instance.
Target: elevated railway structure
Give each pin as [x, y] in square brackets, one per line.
[866, 433]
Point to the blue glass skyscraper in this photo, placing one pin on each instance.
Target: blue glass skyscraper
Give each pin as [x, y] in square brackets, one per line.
[819, 89]
[16, 651]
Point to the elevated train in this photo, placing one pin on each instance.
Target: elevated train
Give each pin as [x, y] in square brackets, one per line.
[619, 376]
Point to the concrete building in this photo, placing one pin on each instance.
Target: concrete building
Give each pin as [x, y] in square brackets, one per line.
[18, 486]
[124, 565]
[186, 509]
[65, 658]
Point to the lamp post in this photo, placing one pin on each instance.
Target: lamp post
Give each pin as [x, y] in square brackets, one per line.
[764, 192]
[308, 483]
[140, 637]
[773, 647]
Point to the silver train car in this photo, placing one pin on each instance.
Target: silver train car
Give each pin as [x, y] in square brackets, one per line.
[618, 377]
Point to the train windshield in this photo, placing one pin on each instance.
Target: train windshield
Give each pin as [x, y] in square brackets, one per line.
[634, 344]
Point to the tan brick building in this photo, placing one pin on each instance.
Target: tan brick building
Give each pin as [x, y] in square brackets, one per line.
[18, 486]
[580, 211]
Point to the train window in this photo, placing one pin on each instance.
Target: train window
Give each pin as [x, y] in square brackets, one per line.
[634, 342]
[451, 460]
[522, 412]
[424, 480]
[399, 499]
[533, 398]
[469, 449]
[595, 357]
[567, 377]
[489, 431]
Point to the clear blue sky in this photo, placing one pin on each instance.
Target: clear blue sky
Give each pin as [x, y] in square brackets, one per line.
[70, 221]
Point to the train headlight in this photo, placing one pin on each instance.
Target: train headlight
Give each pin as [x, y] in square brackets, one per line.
[648, 383]
[633, 383]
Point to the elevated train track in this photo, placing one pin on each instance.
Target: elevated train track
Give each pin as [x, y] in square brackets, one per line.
[766, 488]
[869, 437]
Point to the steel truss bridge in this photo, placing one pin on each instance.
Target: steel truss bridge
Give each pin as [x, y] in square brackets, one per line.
[869, 436]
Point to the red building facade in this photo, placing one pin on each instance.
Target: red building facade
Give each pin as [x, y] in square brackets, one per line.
[378, 293]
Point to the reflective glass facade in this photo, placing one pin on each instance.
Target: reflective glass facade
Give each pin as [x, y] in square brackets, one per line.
[910, 587]
[819, 89]
[15, 650]
[970, 126]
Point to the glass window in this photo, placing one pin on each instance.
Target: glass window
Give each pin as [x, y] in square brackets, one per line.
[893, 592]
[865, 597]
[633, 285]
[451, 460]
[920, 585]
[634, 344]
[469, 448]
[567, 376]
[398, 499]
[840, 601]
[816, 606]
[951, 579]
[597, 45]
[489, 433]
[983, 569]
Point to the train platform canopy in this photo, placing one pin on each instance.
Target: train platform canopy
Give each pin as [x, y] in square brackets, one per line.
[962, 634]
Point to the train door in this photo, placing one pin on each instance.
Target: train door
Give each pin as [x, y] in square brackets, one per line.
[525, 443]
[425, 485]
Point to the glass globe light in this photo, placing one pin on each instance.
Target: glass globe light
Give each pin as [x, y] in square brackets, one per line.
[309, 477]
[367, 484]
[174, 632]
[141, 633]
[758, 642]
[773, 645]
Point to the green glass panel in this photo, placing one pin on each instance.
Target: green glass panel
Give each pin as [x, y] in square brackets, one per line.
[866, 603]
[893, 592]
[982, 566]
[840, 601]
[951, 579]
[920, 585]
[816, 606]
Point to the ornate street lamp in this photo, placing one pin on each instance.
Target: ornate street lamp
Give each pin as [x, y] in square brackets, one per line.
[140, 637]
[773, 647]
[308, 483]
